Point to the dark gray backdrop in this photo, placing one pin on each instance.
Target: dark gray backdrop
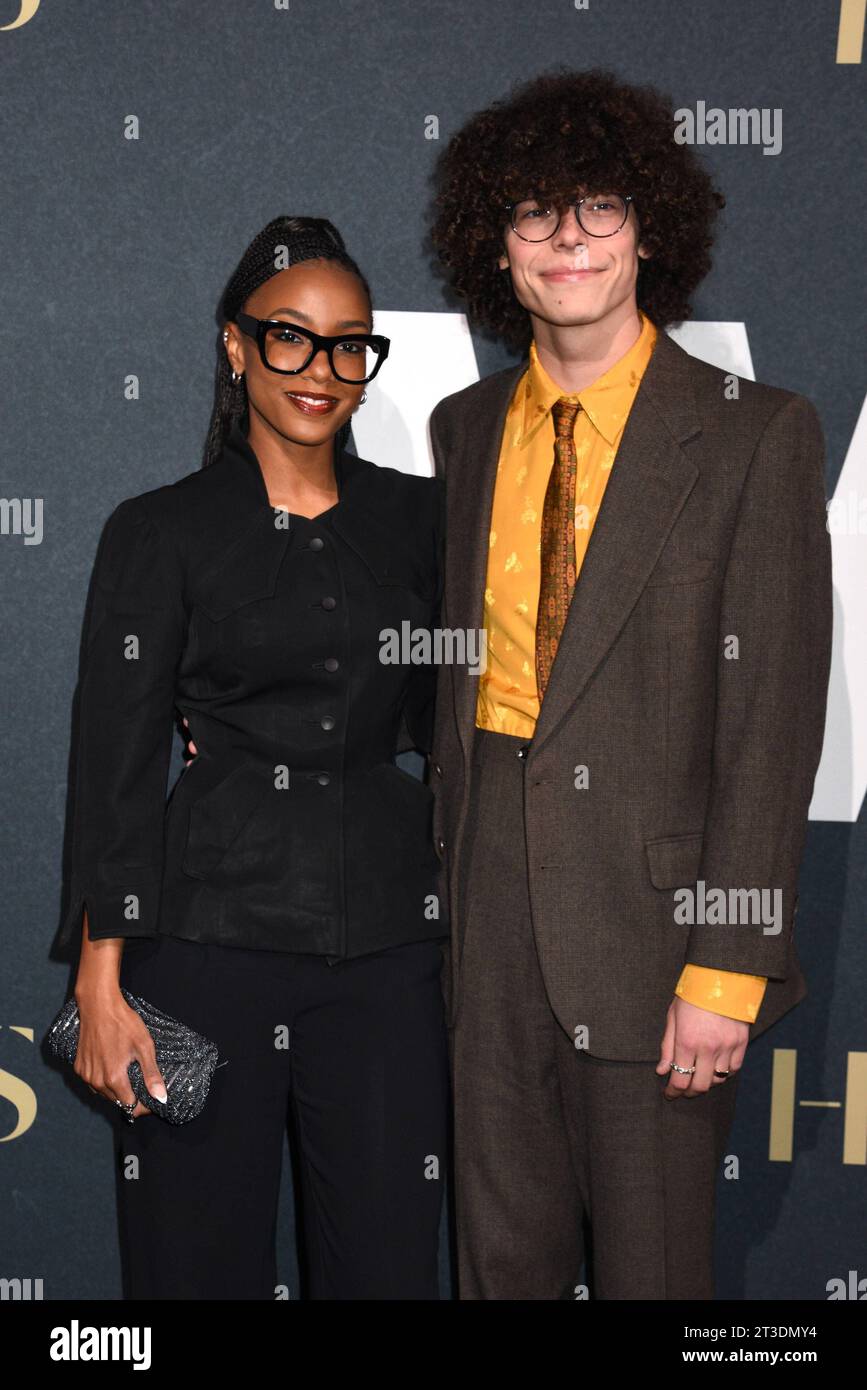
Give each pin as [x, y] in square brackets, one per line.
[113, 256]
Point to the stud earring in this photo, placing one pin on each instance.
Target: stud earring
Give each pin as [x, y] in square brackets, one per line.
[362, 398]
[236, 376]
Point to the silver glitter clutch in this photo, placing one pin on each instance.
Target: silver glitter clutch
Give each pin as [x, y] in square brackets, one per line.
[186, 1060]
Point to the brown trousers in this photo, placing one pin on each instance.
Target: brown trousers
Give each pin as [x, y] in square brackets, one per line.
[546, 1136]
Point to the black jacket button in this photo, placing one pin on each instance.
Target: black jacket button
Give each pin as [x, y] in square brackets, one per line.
[323, 779]
[329, 603]
[327, 721]
[315, 543]
[523, 750]
[331, 663]
[437, 769]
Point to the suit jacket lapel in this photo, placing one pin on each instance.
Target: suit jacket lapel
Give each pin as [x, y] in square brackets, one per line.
[470, 480]
[650, 482]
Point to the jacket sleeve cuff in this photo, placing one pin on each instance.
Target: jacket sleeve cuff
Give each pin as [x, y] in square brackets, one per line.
[722, 991]
[122, 902]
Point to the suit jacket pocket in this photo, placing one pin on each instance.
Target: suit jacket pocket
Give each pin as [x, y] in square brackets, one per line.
[693, 571]
[247, 571]
[218, 817]
[405, 574]
[675, 860]
[391, 557]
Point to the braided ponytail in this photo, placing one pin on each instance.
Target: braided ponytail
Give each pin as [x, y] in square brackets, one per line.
[292, 239]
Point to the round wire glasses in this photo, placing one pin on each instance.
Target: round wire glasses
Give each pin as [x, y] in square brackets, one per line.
[600, 214]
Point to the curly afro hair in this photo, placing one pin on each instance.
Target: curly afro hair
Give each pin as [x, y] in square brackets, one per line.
[563, 131]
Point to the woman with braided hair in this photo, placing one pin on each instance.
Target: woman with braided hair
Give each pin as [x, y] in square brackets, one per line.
[285, 903]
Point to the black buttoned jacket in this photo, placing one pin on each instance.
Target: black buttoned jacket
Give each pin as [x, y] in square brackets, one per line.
[293, 829]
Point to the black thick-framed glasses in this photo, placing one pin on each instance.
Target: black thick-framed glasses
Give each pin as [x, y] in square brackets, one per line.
[535, 220]
[288, 348]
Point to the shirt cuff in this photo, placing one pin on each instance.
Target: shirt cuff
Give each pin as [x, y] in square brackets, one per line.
[722, 991]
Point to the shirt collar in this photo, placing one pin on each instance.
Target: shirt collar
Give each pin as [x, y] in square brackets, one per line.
[365, 514]
[237, 443]
[606, 402]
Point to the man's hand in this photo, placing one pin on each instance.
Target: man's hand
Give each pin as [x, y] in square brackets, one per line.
[190, 748]
[696, 1037]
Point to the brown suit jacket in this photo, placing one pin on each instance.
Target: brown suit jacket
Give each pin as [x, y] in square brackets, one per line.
[701, 762]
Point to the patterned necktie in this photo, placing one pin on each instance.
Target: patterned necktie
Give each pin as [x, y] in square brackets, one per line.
[557, 579]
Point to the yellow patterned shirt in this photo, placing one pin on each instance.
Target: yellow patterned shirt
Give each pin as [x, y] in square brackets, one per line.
[508, 699]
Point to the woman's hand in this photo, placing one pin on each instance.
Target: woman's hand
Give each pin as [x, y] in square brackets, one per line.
[191, 747]
[111, 1035]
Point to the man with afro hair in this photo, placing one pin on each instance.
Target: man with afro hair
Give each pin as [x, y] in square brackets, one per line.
[621, 796]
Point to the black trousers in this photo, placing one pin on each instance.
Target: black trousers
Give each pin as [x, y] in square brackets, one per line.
[363, 1086]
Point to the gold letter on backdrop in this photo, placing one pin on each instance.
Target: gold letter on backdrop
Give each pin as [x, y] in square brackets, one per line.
[850, 35]
[28, 10]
